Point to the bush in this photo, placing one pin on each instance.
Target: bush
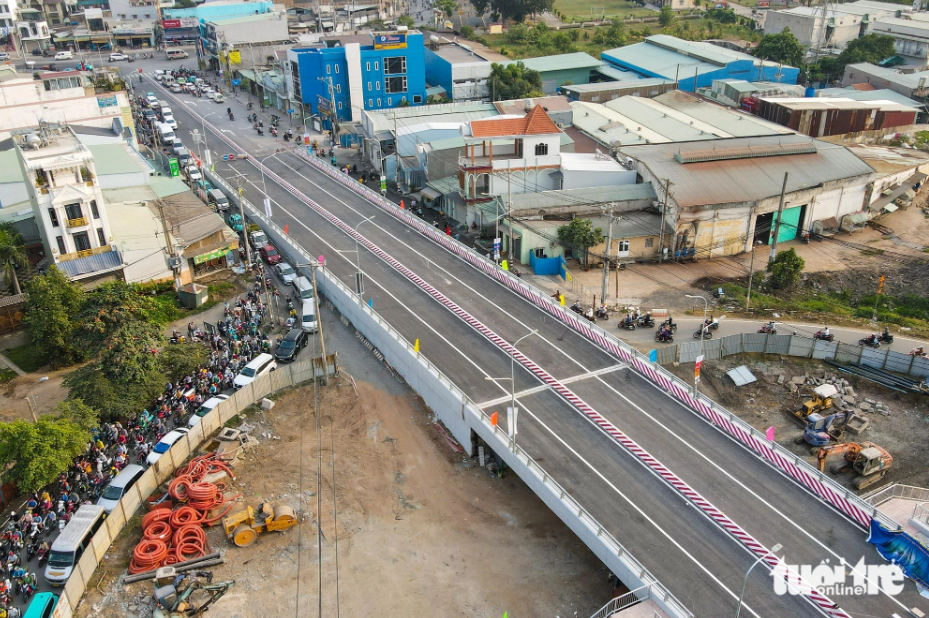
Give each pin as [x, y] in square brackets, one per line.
[785, 269]
[467, 32]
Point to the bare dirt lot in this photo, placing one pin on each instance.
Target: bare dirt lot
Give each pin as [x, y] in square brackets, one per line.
[422, 531]
[904, 431]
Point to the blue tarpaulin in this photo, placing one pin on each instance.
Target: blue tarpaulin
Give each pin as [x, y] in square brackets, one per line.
[902, 549]
[546, 266]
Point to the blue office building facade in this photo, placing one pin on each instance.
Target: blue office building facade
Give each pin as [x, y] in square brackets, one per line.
[390, 72]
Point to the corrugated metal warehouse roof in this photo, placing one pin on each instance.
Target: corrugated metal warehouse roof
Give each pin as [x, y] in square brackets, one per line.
[749, 178]
[868, 94]
[734, 122]
[561, 62]
[447, 112]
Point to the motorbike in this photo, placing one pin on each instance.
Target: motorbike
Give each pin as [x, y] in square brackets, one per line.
[248, 105]
[663, 338]
[273, 130]
[768, 329]
[820, 336]
[627, 324]
[706, 334]
[576, 307]
[886, 338]
[42, 555]
[645, 321]
[28, 589]
[31, 550]
[602, 314]
[260, 132]
[231, 116]
[871, 342]
[672, 326]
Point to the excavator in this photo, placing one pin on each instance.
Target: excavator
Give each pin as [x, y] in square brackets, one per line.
[819, 402]
[821, 430]
[173, 601]
[867, 459]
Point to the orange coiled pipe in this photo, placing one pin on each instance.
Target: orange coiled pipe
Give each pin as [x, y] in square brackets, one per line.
[185, 515]
[149, 554]
[159, 530]
[179, 487]
[160, 514]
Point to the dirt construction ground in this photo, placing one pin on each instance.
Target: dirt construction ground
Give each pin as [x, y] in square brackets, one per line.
[903, 430]
[422, 530]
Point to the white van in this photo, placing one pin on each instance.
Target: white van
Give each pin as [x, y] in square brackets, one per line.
[308, 316]
[219, 198]
[304, 288]
[64, 55]
[118, 486]
[176, 54]
[259, 366]
[167, 134]
[68, 548]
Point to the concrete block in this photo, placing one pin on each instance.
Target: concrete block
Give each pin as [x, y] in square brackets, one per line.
[797, 380]
[780, 380]
[857, 424]
[848, 391]
[863, 406]
[792, 387]
[266, 404]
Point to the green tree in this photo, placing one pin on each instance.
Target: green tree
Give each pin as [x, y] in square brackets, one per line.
[871, 48]
[449, 7]
[183, 359]
[406, 20]
[480, 6]
[563, 42]
[518, 33]
[467, 32]
[785, 269]
[128, 354]
[34, 454]
[110, 306]
[581, 235]
[53, 302]
[79, 413]
[115, 400]
[514, 81]
[665, 16]
[12, 254]
[783, 48]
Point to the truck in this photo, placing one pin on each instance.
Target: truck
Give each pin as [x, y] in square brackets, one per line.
[166, 133]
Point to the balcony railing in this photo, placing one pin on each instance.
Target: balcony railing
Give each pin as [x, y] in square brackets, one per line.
[65, 257]
[80, 221]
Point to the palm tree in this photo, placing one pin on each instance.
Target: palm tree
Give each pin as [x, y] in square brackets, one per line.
[12, 253]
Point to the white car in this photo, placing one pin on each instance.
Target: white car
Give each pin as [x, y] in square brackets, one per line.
[117, 56]
[4, 56]
[218, 98]
[164, 444]
[176, 88]
[170, 121]
[64, 55]
[286, 272]
[205, 409]
[194, 172]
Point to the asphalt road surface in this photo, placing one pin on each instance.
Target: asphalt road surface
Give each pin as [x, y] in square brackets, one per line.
[702, 565]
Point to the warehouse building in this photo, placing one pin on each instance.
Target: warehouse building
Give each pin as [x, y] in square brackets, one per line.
[825, 116]
[912, 85]
[725, 194]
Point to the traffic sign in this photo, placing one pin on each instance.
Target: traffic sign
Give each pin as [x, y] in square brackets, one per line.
[237, 82]
[290, 111]
[225, 157]
[232, 157]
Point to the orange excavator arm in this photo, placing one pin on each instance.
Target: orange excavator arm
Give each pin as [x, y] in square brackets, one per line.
[847, 447]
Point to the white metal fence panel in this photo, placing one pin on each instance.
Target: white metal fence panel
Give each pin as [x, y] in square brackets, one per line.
[845, 353]
[689, 351]
[825, 349]
[920, 367]
[895, 361]
[754, 342]
[802, 346]
[778, 344]
[873, 358]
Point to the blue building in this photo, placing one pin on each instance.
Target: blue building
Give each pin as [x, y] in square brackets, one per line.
[352, 74]
[694, 65]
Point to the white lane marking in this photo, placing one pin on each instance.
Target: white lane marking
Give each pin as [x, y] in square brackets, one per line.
[545, 387]
[673, 434]
[527, 410]
[227, 131]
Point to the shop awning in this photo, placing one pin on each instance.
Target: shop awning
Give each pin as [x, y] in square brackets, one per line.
[430, 194]
[218, 252]
[890, 207]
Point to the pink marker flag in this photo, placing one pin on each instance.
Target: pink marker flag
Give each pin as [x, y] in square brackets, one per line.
[769, 433]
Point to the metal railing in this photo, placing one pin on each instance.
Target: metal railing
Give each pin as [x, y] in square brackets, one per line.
[622, 602]
[65, 257]
[906, 492]
[77, 222]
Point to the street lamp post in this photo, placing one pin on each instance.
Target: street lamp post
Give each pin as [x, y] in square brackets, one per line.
[206, 146]
[706, 307]
[359, 286]
[30, 400]
[512, 379]
[773, 550]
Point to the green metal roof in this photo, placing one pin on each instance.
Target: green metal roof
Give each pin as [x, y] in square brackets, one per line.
[163, 186]
[9, 167]
[562, 62]
[112, 159]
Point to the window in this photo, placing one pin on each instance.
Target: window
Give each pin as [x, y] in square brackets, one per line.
[336, 68]
[81, 241]
[100, 236]
[135, 16]
[377, 85]
[541, 150]
[649, 242]
[417, 98]
[378, 102]
[338, 88]
[369, 85]
[295, 74]
[74, 211]
[93, 209]
[367, 66]
[340, 104]
[395, 84]
[390, 102]
[622, 246]
[370, 102]
[395, 66]
[328, 69]
[53, 216]
[61, 245]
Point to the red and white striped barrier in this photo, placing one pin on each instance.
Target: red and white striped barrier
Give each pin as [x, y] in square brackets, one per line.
[818, 599]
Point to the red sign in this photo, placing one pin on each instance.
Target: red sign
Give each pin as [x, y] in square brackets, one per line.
[169, 24]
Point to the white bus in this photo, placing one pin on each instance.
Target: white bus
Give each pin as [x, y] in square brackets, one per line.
[176, 54]
[71, 543]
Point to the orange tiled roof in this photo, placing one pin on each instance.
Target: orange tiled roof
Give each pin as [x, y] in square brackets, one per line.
[536, 122]
[864, 87]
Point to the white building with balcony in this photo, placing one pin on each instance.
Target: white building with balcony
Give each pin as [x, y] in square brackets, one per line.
[67, 202]
[508, 155]
[32, 31]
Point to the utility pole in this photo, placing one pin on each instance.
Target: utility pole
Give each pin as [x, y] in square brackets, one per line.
[606, 257]
[751, 271]
[248, 251]
[170, 244]
[319, 327]
[777, 224]
[664, 212]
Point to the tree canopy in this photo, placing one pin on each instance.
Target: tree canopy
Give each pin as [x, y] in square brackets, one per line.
[785, 269]
[514, 81]
[517, 10]
[666, 16]
[36, 453]
[12, 254]
[580, 234]
[53, 302]
[871, 48]
[782, 47]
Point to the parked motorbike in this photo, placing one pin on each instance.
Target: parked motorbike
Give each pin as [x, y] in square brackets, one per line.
[248, 105]
[820, 336]
[706, 334]
[871, 342]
